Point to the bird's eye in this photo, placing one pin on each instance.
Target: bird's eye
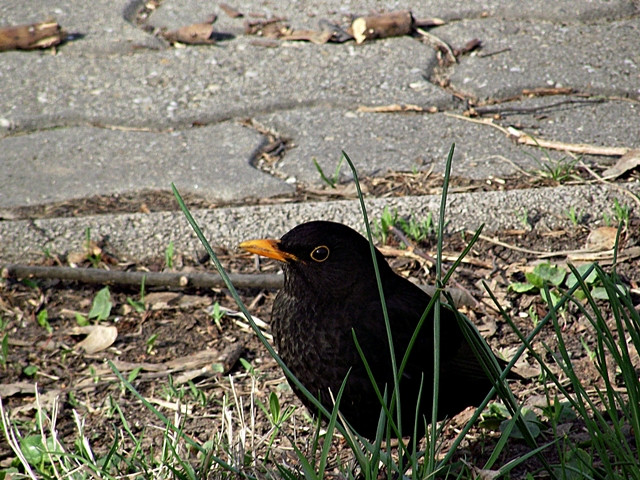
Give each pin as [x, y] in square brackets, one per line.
[320, 254]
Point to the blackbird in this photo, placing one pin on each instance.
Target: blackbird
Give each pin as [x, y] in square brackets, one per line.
[329, 291]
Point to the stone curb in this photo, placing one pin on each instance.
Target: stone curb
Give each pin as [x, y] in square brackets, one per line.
[140, 237]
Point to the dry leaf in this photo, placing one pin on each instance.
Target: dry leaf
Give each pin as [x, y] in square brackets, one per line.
[600, 239]
[45, 400]
[628, 161]
[99, 337]
[195, 34]
[9, 389]
[271, 28]
[313, 36]
[166, 300]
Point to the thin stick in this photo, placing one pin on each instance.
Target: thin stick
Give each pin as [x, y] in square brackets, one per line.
[527, 139]
[430, 37]
[155, 279]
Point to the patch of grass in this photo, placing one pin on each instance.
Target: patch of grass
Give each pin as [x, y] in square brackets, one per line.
[559, 170]
[415, 228]
[575, 216]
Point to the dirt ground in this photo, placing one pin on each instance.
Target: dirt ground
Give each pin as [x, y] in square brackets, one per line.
[178, 335]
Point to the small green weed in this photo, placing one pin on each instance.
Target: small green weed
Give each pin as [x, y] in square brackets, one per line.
[381, 227]
[217, 314]
[523, 218]
[151, 341]
[575, 216]
[139, 305]
[418, 230]
[169, 255]
[43, 320]
[94, 255]
[333, 180]
[546, 274]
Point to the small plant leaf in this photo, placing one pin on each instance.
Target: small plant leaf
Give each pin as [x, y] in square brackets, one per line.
[32, 449]
[520, 287]
[81, 320]
[532, 422]
[545, 272]
[101, 308]
[274, 407]
[582, 269]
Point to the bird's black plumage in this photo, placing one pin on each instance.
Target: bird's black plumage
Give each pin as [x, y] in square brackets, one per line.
[329, 290]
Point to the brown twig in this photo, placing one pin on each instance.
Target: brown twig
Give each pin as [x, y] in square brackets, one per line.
[528, 139]
[440, 44]
[504, 110]
[155, 279]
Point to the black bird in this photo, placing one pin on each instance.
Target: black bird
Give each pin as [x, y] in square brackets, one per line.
[329, 290]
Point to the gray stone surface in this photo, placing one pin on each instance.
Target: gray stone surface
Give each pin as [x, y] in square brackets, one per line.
[178, 87]
[211, 161]
[117, 110]
[601, 59]
[102, 28]
[378, 143]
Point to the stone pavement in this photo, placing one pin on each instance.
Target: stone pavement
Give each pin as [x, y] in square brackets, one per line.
[118, 110]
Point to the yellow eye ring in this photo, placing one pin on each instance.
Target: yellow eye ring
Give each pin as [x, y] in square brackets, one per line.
[320, 254]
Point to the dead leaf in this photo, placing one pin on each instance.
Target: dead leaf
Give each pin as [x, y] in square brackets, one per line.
[312, 36]
[628, 161]
[270, 28]
[45, 400]
[28, 37]
[167, 300]
[9, 389]
[99, 337]
[194, 34]
[600, 239]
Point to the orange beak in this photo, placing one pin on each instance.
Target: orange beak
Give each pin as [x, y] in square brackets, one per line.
[267, 248]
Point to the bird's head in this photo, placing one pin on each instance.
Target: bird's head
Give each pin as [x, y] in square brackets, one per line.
[324, 255]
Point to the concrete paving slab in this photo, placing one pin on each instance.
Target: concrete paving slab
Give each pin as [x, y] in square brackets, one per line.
[602, 59]
[71, 163]
[597, 121]
[561, 11]
[379, 142]
[180, 87]
[140, 237]
[304, 14]
[99, 28]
